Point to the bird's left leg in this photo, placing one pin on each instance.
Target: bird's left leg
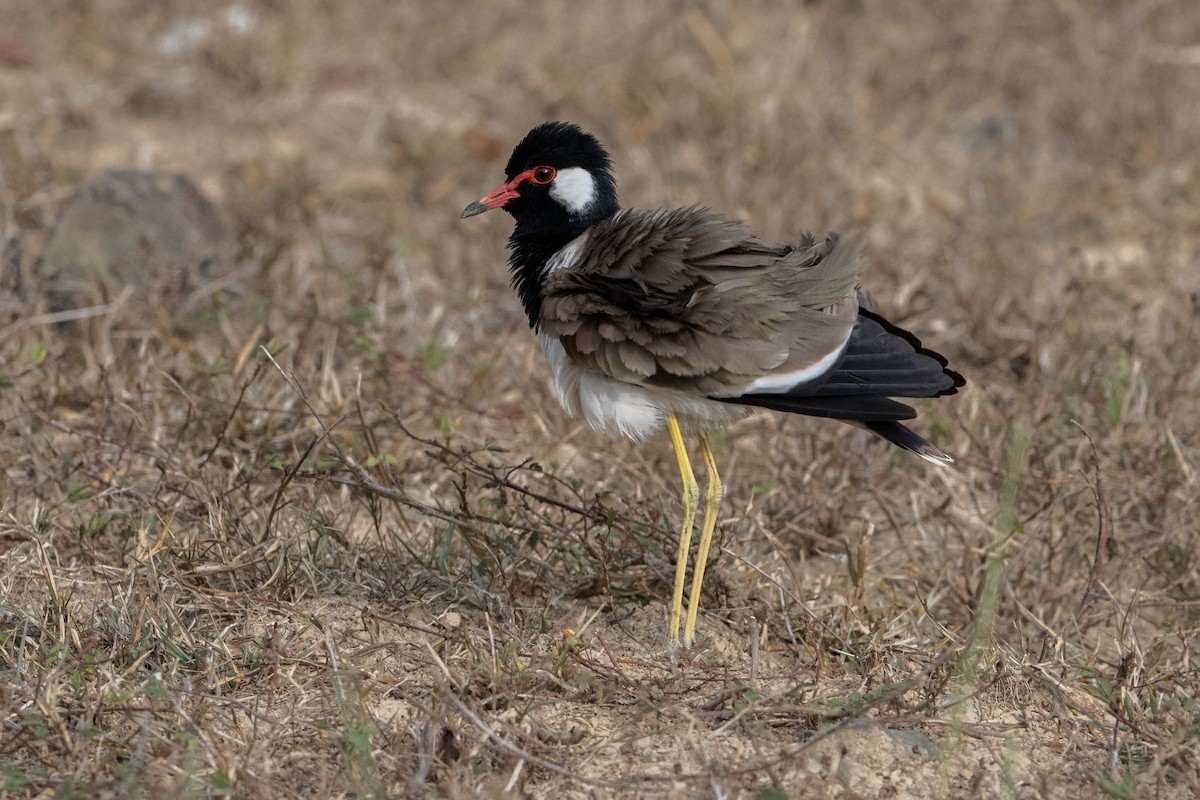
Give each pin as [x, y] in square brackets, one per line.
[691, 498]
[712, 503]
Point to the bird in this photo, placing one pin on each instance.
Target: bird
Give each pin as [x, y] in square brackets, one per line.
[666, 318]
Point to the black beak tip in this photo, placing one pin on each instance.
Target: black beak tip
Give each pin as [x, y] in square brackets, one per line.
[473, 209]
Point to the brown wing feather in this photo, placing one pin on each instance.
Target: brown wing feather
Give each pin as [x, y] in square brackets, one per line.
[692, 300]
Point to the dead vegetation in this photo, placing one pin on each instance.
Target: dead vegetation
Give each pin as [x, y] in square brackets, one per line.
[322, 531]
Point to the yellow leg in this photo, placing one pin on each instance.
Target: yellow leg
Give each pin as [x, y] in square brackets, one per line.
[712, 505]
[691, 499]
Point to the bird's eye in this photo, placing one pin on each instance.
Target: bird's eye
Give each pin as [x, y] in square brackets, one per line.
[543, 174]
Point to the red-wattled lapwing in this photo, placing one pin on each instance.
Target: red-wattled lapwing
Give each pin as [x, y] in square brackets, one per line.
[652, 317]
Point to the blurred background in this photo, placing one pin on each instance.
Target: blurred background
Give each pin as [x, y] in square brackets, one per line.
[184, 186]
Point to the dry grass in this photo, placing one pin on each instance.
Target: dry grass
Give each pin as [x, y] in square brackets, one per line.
[200, 595]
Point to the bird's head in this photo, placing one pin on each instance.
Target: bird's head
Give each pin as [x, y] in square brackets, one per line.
[559, 179]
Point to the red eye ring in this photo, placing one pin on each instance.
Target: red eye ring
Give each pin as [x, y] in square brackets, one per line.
[543, 175]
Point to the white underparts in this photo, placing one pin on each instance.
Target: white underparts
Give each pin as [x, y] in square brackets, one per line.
[625, 409]
[575, 189]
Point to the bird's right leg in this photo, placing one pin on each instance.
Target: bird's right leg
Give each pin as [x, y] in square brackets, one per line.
[691, 500]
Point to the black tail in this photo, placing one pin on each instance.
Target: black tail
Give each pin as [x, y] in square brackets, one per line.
[881, 361]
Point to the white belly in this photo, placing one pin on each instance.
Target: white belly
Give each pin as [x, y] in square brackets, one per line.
[623, 409]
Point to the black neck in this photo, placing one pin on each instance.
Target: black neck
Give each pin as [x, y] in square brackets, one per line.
[535, 241]
[527, 263]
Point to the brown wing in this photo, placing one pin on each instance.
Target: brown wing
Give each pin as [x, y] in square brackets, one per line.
[693, 300]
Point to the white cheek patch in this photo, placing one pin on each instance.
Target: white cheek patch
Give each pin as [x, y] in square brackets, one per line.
[574, 188]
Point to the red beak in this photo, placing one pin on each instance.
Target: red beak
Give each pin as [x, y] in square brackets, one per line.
[496, 198]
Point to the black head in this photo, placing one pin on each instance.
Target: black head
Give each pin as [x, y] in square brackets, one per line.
[559, 181]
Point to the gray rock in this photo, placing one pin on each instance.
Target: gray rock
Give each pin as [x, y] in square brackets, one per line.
[154, 232]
